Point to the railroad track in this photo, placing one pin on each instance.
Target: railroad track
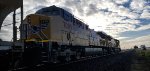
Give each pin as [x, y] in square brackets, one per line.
[105, 63]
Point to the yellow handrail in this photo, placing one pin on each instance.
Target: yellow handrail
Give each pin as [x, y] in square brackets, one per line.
[44, 41]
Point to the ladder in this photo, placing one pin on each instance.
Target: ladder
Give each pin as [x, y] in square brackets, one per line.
[45, 52]
[44, 55]
[45, 49]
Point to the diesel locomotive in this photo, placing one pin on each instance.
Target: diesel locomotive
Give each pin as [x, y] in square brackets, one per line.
[54, 35]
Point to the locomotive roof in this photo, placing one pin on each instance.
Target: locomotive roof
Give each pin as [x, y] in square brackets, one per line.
[50, 8]
[43, 10]
[53, 8]
[104, 35]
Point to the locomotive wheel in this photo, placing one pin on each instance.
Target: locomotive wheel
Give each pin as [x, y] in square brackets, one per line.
[78, 56]
[67, 59]
[16, 64]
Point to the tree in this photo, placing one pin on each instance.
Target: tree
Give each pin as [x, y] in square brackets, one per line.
[143, 47]
[1, 40]
[135, 47]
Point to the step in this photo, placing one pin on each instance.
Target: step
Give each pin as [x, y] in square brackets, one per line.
[44, 56]
[45, 61]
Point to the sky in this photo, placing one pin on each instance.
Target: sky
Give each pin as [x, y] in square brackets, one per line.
[126, 20]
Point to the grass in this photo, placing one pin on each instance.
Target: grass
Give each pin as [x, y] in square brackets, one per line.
[141, 61]
[143, 53]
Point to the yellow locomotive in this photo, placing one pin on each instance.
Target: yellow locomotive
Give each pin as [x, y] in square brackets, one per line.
[59, 36]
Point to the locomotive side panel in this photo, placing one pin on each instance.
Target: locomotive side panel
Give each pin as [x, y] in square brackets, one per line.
[94, 38]
[56, 30]
[61, 31]
[81, 39]
[81, 34]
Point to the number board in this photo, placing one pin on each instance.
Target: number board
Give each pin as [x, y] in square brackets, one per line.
[44, 24]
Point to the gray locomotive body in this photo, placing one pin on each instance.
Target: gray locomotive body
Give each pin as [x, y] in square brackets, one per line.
[58, 36]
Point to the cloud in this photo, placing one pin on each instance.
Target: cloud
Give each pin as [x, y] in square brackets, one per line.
[144, 27]
[122, 38]
[143, 40]
[111, 16]
[137, 4]
[92, 10]
[6, 33]
[145, 14]
[120, 1]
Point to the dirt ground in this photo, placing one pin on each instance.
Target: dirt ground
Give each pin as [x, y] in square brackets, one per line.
[132, 60]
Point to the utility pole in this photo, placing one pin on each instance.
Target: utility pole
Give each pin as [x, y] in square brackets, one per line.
[17, 52]
[14, 27]
[14, 39]
[21, 25]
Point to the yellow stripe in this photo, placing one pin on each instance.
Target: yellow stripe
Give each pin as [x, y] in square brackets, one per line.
[44, 41]
[30, 40]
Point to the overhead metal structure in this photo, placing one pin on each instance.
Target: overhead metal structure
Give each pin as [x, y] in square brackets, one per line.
[8, 6]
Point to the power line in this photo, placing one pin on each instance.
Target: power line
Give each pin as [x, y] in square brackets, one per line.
[6, 25]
